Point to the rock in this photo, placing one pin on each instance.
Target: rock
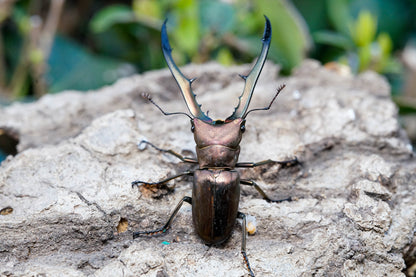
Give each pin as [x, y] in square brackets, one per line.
[67, 207]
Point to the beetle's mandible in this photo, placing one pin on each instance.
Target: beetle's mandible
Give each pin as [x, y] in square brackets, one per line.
[216, 183]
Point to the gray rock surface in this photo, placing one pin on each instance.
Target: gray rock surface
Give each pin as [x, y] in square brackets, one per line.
[68, 209]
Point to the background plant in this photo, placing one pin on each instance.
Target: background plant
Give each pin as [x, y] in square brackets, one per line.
[123, 38]
[97, 43]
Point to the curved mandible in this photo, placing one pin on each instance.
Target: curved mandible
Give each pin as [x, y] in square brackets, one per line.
[251, 78]
[183, 82]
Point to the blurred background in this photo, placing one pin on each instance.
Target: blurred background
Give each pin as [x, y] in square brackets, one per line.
[47, 46]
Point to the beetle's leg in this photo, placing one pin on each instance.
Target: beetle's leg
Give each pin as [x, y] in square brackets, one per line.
[286, 163]
[243, 243]
[167, 225]
[177, 155]
[267, 198]
[137, 182]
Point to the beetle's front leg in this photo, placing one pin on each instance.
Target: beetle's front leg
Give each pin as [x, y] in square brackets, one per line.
[164, 181]
[169, 151]
[286, 163]
[267, 198]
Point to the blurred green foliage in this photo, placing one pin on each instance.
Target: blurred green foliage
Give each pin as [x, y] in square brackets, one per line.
[205, 30]
[109, 41]
[122, 39]
[364, 34]
[362, 49]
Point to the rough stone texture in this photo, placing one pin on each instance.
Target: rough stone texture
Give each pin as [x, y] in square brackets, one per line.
[66, 197]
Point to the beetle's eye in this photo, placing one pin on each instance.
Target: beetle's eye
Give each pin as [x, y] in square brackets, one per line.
[242, 128]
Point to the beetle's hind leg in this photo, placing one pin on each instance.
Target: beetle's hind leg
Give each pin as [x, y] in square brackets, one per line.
[167, 225]
[265, 196]
[243, 242]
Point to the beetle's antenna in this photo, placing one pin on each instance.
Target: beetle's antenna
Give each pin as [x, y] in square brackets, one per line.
[149, 98]
[279, 89]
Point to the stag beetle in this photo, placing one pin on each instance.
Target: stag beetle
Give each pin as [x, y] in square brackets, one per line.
[216, 184]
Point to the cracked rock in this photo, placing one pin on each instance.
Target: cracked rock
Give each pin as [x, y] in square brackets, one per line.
[67, 207]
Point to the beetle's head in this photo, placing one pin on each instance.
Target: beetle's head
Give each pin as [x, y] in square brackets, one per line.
[202, 125]
[218, 132]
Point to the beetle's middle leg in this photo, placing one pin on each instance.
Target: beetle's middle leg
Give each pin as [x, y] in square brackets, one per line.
[286, 163]
[167, 225]
[164, 181]
[265, 196]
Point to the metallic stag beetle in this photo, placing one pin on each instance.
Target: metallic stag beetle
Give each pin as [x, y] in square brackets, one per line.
[216, 185]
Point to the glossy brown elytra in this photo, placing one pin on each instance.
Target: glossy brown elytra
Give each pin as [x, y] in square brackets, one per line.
[216, 183]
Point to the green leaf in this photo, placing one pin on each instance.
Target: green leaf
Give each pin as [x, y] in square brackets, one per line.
[36, 56]
[225, 57]
[393, 66]
[216, 16]
[22, 20]
[186, 35]
[385, 43]
[314, 12]
[364, 56]
[363, 31]
[149, 8]
[339, 15]
[110, 16]
[290, 38]
[73, 67]
[334, 39]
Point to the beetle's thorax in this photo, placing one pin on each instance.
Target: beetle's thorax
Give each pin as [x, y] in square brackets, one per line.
[217, 145]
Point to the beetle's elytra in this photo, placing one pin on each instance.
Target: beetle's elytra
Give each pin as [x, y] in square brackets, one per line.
[216, 183]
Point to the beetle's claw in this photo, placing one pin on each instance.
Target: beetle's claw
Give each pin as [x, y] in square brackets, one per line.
[290, 163]
[150, 233]
[147, 96]
[141, 183]
[137, 183]
[289, 199]
[152, 185]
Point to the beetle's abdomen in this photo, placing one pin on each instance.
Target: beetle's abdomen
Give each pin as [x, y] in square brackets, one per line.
[215, 198]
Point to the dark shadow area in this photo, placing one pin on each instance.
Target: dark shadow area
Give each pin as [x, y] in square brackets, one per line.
[8, 142]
